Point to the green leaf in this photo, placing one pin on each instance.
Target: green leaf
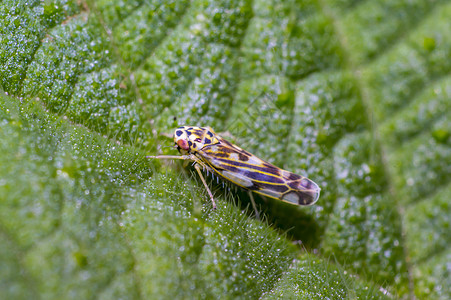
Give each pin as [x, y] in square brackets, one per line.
[353, 94]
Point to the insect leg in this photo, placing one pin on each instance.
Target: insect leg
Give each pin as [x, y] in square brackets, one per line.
[257, 214]
[196, 166]
[185, 157]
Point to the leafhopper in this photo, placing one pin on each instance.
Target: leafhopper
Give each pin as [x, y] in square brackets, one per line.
[212, 153]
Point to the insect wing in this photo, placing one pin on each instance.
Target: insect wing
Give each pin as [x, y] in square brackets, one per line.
[250, 172]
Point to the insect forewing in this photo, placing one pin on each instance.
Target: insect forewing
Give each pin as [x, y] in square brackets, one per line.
[250, 172]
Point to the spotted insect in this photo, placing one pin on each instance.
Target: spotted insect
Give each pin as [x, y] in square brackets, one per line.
[211, 152]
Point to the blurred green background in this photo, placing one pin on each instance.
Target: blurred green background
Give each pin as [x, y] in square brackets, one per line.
[354, 94]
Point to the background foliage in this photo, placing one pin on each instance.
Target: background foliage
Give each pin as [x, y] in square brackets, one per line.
[356, 94]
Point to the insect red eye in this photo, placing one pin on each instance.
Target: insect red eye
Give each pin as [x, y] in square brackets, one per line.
[183, 144]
